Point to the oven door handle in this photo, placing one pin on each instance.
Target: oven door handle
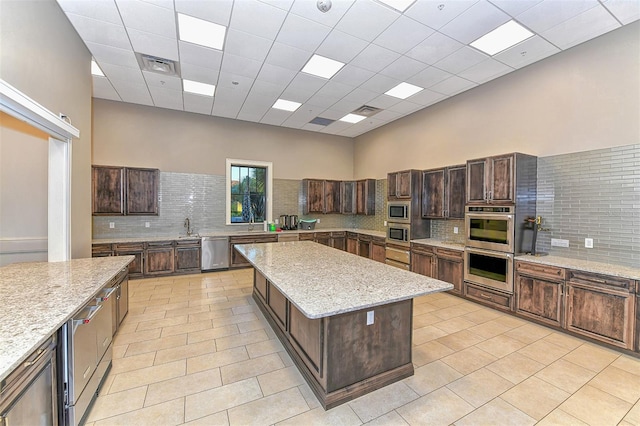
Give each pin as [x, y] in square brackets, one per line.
[490, 253]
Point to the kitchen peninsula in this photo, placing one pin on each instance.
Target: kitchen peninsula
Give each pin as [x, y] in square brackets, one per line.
[346, 321]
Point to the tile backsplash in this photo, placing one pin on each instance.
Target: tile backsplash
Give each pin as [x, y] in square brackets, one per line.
[591, 194]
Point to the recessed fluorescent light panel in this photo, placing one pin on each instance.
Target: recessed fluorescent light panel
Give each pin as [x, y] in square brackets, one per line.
[322, 67]
[399, 5]
[198, 88]
[353, 118]
[95, 69]
[286, 105]
[404, 90]
[199, 31]
[503, 37]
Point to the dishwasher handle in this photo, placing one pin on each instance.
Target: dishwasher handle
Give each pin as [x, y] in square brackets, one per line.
[93, 311]
[107, 293]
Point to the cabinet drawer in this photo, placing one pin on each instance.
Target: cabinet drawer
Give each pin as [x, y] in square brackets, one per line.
[128, 246]
[588, 278]
[322, 235]
[422, 249]
[104, 249]
[306, 236]
[402, 256]
[364, 237]
[188, 242]
[494, 298]
[449, 253]
[542, 271]
[352, 235]
[378, 240]
[338, 234]
[154, 244]
[272, 238]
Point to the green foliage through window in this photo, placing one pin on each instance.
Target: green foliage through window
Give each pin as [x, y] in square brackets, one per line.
[248, 194]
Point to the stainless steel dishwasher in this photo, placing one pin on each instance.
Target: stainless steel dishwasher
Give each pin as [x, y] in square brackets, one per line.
[215, 253]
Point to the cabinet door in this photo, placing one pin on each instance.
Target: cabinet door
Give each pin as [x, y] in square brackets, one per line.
[502, 179]
[136, 267]
[142, 191]
[476, 181]
[159, 261]
[236, 260]
[378, 252]
[348, 203]
[364, 248]
[404, 184]
[352, 245]
[332, 196]
[433, 186]
[600, 314]
[339, 243]
[366, 197]
[450, 271]
[101, 250]
[392, 185]
[423, 264]
[539, 298]
[314, 191]
[188, 259]
[107, 190]
[456, 191]
[323, 238]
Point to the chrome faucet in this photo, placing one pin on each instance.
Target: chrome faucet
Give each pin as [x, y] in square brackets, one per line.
[187, 224]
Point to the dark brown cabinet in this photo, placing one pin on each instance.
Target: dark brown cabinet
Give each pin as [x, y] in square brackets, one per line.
[366, 197]
[434, 184]
[456, 191]
[339, 240]
[108, 190]
[364, 245]
[348, 203]
[124, 191]
[400, 185]
[378, 252]
[236, 259]
[159, 258]
[539, 290]
[101, 250]
[323, 238]
[136, 267]
[491, 180]
[423, 260]
[495, 299]
[188, 256]
[322, 196]
[601, 307]
[332, 196]
[449, 268]
[352, 243]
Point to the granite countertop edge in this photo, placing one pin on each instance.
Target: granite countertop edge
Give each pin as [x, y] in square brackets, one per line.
[440, 243]
[583, 265]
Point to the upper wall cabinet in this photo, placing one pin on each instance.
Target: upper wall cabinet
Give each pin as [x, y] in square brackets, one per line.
[403, 185]
[124, 191]
[500, 179]
[366, 196]
[321, 196]
[443, 192]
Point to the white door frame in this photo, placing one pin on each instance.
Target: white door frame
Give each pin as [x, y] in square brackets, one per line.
[22, 107]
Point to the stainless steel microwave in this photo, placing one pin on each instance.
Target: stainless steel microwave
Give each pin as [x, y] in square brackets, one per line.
[398, 233]
[399, 211]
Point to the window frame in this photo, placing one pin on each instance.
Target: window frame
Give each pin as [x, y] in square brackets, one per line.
[269, 182]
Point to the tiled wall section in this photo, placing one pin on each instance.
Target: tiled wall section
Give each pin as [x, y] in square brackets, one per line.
[592, 194]
[444, 230]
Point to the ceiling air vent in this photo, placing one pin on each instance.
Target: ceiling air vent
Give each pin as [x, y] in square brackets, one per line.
[321, 121]
[157, 65]
[366, 110]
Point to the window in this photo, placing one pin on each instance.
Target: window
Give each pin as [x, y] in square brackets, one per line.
[249, 186]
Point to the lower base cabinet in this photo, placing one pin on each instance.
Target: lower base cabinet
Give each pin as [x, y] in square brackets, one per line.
[188, 256]
[159, 259]
[378, 250]
[136, 267]
[236, 260]
[449, 268]
[540, 291]
[495, 299]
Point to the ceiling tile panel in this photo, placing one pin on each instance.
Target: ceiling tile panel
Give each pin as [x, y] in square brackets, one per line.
[404, 34]
[485, 71]
[405, 107]
[403, 68]
[302, 87]
[549, 13]
[302, 33]
[341, 46]
[434, 48]
[426, 97]
[345, 106]
[353, 76]
[200, 55]
[380, 83]
[131, 92]
[527, 52]
[246, 67]
[275, 74]
[383, 102]
[247, 45]
[116, 72]
[270, 18]
[515, 7]
[437, 13]
[201, 74]
[379, 17]
[452, 86]
[313, 127]
[266, 89]
[113, 55]
[198, 104]
[103, 89]
[218, 12]
[585, 26]
[429, 77]
[166, 98]
[100, 32]
[308, 9]
[322, 101]
[167, 4]
[148, 17]
[154, 45]
[388, 115]
[336, 126]
[160, 80]
[101, 10]
[288, 57]
[361, 96]
[460, 60]
[281, 4]
[375, 58]
[275, 117]
[332, 114]
[475, 22]
[306, 113]
[226, 81]
[626, 11]
[335, 89]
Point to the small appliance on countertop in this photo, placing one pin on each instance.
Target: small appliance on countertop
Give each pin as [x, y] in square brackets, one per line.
[288, 222]
[308, 224]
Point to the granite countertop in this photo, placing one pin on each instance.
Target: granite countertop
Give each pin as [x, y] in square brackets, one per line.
[234, 233]
[439, 243]
[584, 265]
[36, 298]
[322, 281]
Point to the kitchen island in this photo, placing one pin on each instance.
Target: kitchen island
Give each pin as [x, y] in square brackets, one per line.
[345, 320]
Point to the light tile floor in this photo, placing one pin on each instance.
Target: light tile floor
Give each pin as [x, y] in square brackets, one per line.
[196, 350]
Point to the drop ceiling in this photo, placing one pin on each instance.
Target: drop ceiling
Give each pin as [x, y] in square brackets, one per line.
[267, 43]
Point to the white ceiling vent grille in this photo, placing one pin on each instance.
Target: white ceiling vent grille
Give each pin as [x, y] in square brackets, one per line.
[157, 65]
[366, 110]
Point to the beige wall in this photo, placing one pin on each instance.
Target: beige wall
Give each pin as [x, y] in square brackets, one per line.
[42, 56]
[585, 98]
[175, 141]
